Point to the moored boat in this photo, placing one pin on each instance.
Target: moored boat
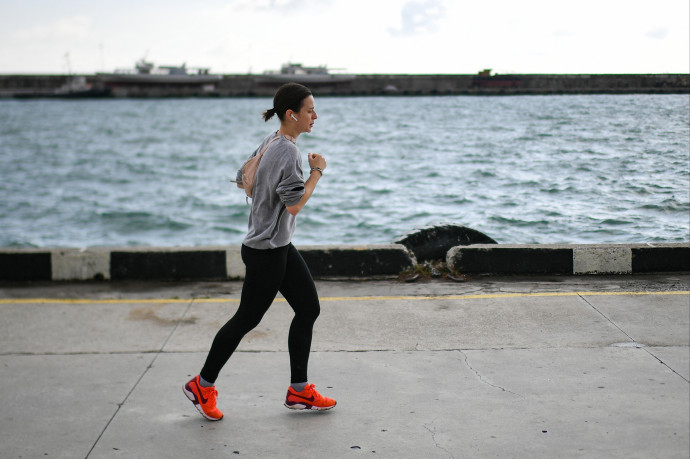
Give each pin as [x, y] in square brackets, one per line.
[148, 73]
[301, 74]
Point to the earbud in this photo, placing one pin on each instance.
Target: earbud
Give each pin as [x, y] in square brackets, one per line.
[293, 117]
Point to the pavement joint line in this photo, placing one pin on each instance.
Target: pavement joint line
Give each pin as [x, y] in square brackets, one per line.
[342, 351]
[633, 340]
[146, 370]
[333, 298]
[608, 319]
[665, 364]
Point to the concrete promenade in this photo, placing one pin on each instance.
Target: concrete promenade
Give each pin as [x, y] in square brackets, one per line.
[525, 367]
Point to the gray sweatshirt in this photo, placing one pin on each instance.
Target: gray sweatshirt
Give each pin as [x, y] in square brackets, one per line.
[279, 183]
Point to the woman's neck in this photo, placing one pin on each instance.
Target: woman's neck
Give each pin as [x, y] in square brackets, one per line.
[291, 134]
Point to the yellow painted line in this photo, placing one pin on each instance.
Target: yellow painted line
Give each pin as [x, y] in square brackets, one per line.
[497, 295]
[95, 301]
[486, 296]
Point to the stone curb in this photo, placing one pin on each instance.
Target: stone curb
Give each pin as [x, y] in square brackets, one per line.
[569, 259]
[191, 263]
[368, 261]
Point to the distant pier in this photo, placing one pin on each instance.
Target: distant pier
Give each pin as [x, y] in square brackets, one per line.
[37, 86]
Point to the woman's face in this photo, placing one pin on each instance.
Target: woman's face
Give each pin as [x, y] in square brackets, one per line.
[306, 115]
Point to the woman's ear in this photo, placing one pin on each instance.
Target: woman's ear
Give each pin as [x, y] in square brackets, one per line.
[289, 113]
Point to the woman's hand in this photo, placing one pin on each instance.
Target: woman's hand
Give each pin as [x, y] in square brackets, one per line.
[316, 160]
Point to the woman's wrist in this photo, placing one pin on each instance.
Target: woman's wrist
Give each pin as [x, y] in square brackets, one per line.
[316, 169]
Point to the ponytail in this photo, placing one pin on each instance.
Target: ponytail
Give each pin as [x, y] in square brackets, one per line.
[268, 114]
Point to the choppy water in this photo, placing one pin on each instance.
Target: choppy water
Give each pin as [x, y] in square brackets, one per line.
[540, 169]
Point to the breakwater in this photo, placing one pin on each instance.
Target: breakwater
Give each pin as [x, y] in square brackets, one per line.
[28, 86]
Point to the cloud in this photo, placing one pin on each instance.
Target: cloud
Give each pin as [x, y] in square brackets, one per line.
[658, 33]
[64, 28]
[277, 5]
[261, 4]
[419, 17]
[563, 32]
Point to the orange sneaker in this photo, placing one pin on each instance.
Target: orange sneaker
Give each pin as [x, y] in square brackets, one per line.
[204, 399]
[308, 399]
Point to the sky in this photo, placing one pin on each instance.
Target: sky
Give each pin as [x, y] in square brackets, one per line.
[356, 36]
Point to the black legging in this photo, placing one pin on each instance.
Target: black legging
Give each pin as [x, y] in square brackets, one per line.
[267, 273]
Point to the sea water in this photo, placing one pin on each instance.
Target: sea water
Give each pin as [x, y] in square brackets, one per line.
[523, 169]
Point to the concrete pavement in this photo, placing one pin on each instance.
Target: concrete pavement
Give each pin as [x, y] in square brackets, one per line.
[531, 367]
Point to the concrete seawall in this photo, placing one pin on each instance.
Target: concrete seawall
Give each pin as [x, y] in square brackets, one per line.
[351, 262]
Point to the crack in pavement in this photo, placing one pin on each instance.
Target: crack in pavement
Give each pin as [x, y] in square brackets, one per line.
[481, 379]
[433, 438]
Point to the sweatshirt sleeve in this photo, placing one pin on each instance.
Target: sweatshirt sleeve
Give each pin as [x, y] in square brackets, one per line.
[291, 185]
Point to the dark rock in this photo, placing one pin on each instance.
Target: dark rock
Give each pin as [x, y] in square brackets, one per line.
[434, 242]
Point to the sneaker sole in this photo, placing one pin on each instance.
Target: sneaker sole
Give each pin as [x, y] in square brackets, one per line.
[192, 398]
[299, 406]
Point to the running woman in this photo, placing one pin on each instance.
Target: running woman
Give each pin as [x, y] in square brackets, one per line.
[272, 263]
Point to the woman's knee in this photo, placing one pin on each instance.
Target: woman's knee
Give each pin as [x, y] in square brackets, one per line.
[244, 321]
[310, 313]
